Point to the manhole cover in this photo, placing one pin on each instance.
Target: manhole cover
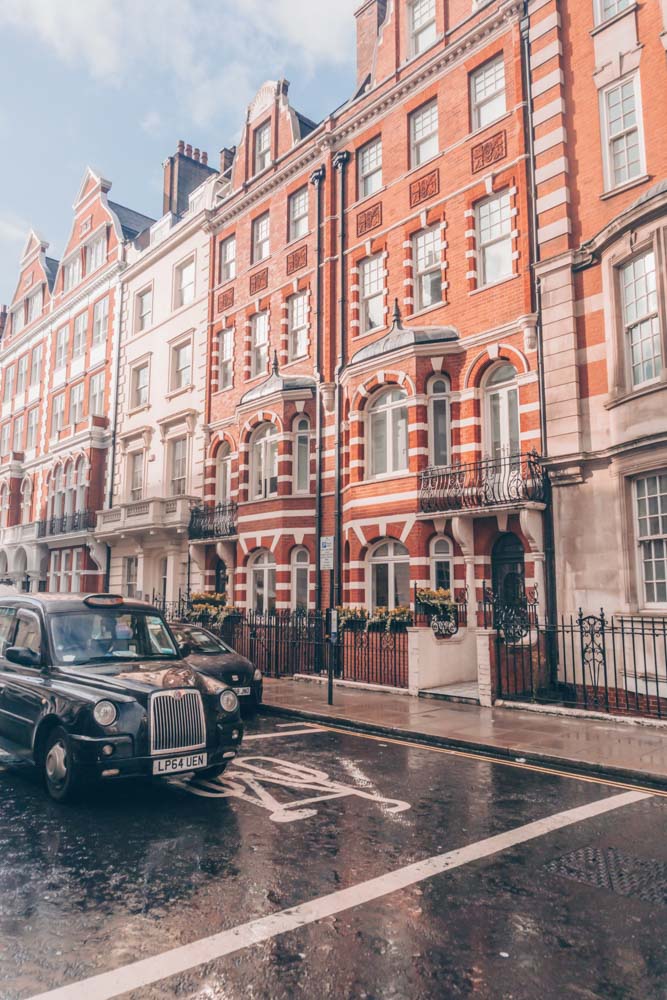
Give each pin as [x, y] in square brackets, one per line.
[609, 868]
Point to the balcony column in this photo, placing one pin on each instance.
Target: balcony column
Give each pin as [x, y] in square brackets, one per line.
[464, 533]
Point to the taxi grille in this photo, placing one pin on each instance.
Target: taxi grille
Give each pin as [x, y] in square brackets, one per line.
[177, 721]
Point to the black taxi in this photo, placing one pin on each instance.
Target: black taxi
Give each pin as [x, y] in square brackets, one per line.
[96, 687]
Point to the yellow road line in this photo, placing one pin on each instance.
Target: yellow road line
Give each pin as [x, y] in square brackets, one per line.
[490, 759]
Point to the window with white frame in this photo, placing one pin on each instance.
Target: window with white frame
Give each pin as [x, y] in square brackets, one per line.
[26, 501]
[301, 455]
[223, 474]
[4, 439]
[226, 358]
[140, 374]
[388, 433]
[640, 318]
[58, 414]
[95, 253]
[8, 391]
[34, 306]
[651, 498]
[76, 403]
[31, 432]
[494, 238]
[262, 147]
[300, 579]
[4, 505]
[298, 213]
[369, 165]
[18, 318]
[260, 238]
[185, 284]
[35, 365]
[298, 326]
[624, 155]
[21, 375]
[61, 347]
[79, 339]
[423, 31]
[135, 475]
[428, 273]
[144, 309]
[262, 571]
[228, 259]
[96, 403]
[371, 293]
[259, 343]
[178, 462]
[130, 575]
[390, 576]
[606, 9]
[439, 421]
[264, 462]
[442, 574]
[181, 366]
[72, 273]
[100, 321]
[487, 92]
[17, 442]
[424, 133]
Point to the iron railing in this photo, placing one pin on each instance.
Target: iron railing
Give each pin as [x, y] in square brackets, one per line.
[79, 520]
[492, 482]
[210, 521]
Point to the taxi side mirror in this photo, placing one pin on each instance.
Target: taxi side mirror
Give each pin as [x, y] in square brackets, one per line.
[23, 656]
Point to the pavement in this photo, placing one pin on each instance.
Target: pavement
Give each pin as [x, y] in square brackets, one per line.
[333, 865]
[622, 750]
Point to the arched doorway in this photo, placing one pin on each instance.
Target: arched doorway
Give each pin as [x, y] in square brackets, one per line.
[508, 570]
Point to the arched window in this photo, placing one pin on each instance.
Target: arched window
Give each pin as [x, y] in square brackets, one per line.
[301, 455]
[26, 501]
[263, 582]
[442, 575]
[438, 421]
[70, 489]
[300, 579]
[4, 505]
[223, 474]
[390, 575]
[388, 433]
[502, 412]
[80, 478]
[57, 491]
[264, 462]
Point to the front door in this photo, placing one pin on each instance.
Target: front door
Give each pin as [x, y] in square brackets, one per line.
[508, 571]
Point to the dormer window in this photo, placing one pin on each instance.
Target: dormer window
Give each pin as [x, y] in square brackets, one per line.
[72, 273]
[95, 253]
[34, 306]
[262, 147]
[18, 318]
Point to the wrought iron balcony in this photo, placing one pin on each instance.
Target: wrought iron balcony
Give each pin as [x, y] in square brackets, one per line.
[508, 481]
[217, 521]
[79, 520]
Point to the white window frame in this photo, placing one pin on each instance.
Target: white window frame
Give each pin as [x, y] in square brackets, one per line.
[8, 390]
[261, 147]
[34, 306]
[32, 425]
[264, 460]
[72, 272]
[381, 412]
[638, 321]
[17, 434]
[301, 455]
[178, 473]
[369, 167]
[4, 439]
[96, 392]
[35, 365]
[226, 358]
[611, 183]
[144, 314]
[130, 576]
[446, 556]
[62, 347]
[298, 214]
[487, 75]
[435, 397]
[262, 565]
[300, 568]
[80, 335]
[493, 239]
[177, 376]
[139, 387]
[228, 259]
[223, 474]
[26, 500]
[652, 540]
[423, 26]
[421, 143]
[618, 6]
[426, 243]
[371, 292]
[259, 346]
[95, 253]
[397, 554]
[58, 413]
[136, 463]
[297, 319]
[21, 375]
[184, 291]
[76, 403]
[261, 237]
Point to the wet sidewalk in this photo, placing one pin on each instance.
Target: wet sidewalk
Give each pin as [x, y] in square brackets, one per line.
[626, 751]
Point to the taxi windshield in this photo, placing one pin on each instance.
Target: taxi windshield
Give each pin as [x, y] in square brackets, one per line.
[109, 634]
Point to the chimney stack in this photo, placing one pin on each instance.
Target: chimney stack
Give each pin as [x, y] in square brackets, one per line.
[204, 157]
[195, 155]
[180, 148]
[370, 17]
[183, 173]
[226, 158]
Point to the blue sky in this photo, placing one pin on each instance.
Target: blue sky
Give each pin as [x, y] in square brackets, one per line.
[115, 84]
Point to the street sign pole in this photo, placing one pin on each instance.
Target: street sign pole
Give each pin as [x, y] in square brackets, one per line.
[333, 633]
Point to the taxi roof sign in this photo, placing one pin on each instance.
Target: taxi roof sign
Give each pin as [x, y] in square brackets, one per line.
[103, 600]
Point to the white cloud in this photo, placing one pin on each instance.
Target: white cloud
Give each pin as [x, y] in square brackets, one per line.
[13, 229]
[151, 123]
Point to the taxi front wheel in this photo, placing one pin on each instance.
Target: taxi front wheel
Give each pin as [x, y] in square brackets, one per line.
[62, 776]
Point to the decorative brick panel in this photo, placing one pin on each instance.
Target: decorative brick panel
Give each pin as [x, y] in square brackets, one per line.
[297, 259]
[488, 152]
[369, 219]
[424, 188]
[226, 300]
[259, 281]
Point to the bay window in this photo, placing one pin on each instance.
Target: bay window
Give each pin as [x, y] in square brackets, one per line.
[264, 462]
[439, 422]
[388, 433]
[641, 322]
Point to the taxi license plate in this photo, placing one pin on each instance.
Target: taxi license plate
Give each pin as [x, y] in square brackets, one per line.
[172, 765]
[242, 692]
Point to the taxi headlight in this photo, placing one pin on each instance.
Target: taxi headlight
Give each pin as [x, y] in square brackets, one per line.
[105, 713]
[257, 676]
[228, 701]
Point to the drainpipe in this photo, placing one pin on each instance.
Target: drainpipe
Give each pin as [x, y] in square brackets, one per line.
[340, 162]
[317, 179]
[536, 306]
[114, 401]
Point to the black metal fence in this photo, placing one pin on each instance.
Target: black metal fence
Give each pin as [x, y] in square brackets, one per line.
[491, 482]
[612, 664]
[79, 520]
[213, 521]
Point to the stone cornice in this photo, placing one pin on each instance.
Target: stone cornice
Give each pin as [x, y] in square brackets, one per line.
[636, 214]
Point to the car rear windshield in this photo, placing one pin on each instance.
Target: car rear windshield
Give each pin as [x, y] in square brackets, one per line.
[200, 641]
[109, 634]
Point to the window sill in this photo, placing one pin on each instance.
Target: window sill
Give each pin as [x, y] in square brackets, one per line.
[138, 409]
[494, 124]
[612, 20]
[298, 239]
[644, 390]
[494, 284]
[370, 333]
[294, 361]
[635, 182]
[173, 393]
[426, 163]
[227, 388]
[386, 477]
[367, 197]
[258, 263]
[426, 310]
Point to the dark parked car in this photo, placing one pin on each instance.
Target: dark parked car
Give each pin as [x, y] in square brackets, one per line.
[96, 687]
[213, 657]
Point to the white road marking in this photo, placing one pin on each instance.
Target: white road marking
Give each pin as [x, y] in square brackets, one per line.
[289, 725]
[178, 960]
[285, 732]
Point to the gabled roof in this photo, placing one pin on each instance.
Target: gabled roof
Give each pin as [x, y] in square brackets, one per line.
[400, 337]
[306, 125]
[278, 383]
[132, 223]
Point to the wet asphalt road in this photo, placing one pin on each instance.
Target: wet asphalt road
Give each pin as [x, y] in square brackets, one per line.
[139, 870]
